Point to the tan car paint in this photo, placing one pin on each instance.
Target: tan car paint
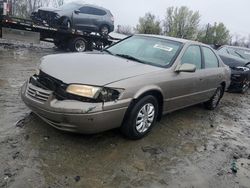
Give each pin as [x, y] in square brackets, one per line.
[178, 89]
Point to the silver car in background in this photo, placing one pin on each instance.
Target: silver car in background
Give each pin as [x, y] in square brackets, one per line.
[84, 17]
[129, 85]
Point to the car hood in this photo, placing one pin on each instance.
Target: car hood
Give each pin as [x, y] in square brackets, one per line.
[49, 9]
[92, 68]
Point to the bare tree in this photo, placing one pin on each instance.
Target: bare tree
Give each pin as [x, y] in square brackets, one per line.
[239, 40]
[23, 8]
[124, 29]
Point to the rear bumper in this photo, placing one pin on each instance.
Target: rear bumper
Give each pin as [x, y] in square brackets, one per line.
[75, 116]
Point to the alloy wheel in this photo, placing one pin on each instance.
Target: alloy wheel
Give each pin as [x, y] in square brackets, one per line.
[145, 118]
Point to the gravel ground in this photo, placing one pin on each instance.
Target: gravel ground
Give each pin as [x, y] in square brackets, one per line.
[192, 147]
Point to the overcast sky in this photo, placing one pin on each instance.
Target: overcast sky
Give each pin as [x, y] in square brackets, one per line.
[235, 14]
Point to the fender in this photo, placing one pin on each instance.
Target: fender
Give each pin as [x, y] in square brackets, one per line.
[147, 89]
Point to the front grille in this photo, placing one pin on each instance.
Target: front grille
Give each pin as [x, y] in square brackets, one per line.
[49, 17]
[37, 94]
[57, 87]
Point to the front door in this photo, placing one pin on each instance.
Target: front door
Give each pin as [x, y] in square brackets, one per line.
[82, 20]
[185, 86]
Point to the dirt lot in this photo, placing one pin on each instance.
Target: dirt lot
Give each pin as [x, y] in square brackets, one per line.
[188, 148]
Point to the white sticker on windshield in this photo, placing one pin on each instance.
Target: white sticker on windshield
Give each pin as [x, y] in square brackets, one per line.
[247, 53]
[162, 47]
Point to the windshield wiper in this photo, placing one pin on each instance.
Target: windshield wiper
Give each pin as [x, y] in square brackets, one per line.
[239, 54]
[109, 52]
[130, 57]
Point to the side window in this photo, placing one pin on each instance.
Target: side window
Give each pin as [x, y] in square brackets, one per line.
[211, 61]
[192, 56]
[85, 10]
[95, 11]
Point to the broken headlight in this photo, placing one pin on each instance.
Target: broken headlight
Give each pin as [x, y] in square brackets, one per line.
[37, 72]
[84, 90]
[109, 94]
[99, 93]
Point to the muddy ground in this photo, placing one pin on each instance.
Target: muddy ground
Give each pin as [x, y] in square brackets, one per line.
[188, 148]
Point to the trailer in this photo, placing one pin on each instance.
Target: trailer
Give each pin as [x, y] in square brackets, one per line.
[71, 39]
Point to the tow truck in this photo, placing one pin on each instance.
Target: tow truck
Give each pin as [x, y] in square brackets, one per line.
[74, 40]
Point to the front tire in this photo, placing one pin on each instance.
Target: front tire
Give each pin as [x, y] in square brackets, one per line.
[245, 87]
[215, 99]
[140, 118]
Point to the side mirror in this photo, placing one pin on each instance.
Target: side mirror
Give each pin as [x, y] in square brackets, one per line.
[186, 67]
[77, 11]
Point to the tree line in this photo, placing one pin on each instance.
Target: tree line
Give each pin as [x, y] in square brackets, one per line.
[181, 22]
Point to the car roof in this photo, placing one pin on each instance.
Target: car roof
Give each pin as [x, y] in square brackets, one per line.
[236, 47]
[184, 41]
[89, 5]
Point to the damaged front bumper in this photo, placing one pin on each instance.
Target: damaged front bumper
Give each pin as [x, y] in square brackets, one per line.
[72, 115]
[238, 80]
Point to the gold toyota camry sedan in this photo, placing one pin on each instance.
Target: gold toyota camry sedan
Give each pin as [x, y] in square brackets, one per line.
[128, 85]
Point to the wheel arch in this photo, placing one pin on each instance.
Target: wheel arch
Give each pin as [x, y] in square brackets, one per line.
[150, 90]
[65, 17]
[223, 84]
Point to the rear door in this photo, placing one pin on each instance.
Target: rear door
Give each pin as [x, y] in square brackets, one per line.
[212, 73]
[89, 18]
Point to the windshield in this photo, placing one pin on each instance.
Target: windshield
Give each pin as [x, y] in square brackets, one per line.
[70, 6]
[148, 50]
[242, 53]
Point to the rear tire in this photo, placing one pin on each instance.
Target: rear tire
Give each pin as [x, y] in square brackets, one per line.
[78, 44]
[140, 118]
[215, 99]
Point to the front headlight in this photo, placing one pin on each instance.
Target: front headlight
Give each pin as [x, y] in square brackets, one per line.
[109, 94]
[84, 90]
[100, 94]
[37, 72]
[239, 68]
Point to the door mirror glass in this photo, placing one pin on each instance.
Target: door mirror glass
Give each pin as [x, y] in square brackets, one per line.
[186, 67]
[77, 11]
